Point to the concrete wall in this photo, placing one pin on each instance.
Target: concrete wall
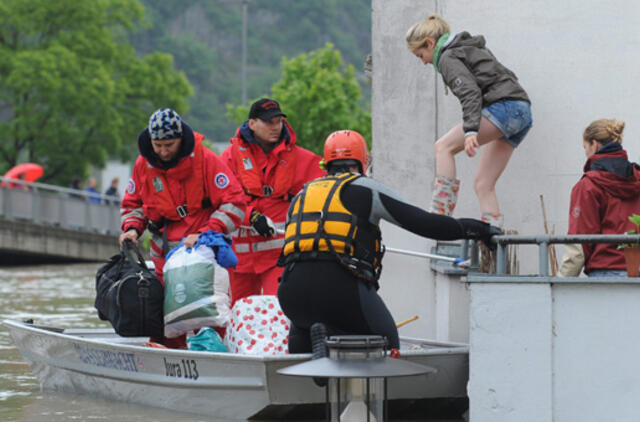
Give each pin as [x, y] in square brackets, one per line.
[554, 350]
[578, 62]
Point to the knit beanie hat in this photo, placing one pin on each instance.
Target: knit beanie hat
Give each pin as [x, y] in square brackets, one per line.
[165, 124]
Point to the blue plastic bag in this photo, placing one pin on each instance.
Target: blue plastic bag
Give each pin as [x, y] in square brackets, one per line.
[208, 340]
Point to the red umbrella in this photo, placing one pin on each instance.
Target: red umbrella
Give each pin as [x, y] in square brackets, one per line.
[31, 171]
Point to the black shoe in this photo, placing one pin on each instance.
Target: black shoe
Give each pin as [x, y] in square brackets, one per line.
[318, 348]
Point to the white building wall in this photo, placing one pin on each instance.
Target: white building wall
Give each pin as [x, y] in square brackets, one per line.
[554, 350]
[578, 62]
[595, 352]
[510, 356]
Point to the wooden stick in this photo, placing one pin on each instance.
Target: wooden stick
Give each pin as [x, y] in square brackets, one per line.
[551, 248]
[406, 321]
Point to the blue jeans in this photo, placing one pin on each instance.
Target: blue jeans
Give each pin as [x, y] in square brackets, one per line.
[608, 273]
[513, 118]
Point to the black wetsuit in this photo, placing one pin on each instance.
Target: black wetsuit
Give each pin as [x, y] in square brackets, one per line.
[325, 291]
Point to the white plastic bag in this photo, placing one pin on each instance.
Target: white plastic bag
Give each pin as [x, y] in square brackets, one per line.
[258, 327]
[196, 291]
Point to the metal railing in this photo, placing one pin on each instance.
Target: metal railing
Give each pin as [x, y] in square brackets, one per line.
[543, 242]
[469, 250]
[57, 206]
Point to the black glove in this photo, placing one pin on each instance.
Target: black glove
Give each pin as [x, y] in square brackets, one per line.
[479, 230]
[262, 224]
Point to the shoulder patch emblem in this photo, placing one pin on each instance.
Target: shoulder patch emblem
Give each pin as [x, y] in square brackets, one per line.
[131, 187]
[575, 212]
[222, 180]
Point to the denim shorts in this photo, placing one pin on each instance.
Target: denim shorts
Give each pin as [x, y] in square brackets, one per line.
[608, 273]
[513, 118]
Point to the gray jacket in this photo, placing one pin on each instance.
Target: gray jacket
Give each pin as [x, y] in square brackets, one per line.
[476, 77]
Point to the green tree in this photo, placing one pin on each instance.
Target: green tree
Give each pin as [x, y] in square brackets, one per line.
[205, 36]
[319, 95]
[73, 91]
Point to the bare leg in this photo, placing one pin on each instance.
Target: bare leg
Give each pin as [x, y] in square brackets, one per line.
[446, 148]
[493, 160]
[452, 143]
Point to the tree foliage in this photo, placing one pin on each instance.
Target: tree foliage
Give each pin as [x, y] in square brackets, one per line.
[319, 95]
[205, 38]
[73, 90]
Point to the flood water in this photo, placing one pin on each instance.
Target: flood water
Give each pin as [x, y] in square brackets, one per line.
[59, 295]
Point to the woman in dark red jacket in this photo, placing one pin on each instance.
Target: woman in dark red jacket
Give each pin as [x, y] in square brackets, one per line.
[601, 202]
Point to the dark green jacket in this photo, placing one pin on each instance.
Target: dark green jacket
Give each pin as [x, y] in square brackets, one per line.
[476, 77]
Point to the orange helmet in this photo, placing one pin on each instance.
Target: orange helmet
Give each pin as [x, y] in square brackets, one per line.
[346, 145]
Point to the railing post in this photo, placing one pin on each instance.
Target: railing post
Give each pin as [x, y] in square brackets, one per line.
[501, 259]
[35, 205]
[543, 258]
[465, 249]
[87, 213]
[8, 212]
[5, 201]
[474, 263]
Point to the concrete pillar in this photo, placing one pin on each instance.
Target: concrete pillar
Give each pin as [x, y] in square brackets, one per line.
[403, 130]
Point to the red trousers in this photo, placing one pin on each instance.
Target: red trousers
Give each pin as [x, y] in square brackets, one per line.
[248, 284]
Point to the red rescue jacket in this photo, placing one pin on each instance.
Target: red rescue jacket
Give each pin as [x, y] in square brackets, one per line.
[601, 202]
[270, 181]
[161, 203]
[195, 194]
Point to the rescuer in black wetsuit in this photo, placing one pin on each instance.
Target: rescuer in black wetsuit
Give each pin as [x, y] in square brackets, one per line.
[333, 246]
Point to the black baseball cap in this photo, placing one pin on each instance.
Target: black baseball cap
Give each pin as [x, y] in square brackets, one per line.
[265, 109]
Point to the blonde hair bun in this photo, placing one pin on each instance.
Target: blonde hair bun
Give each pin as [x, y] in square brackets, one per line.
[615, 129]
[604, 131]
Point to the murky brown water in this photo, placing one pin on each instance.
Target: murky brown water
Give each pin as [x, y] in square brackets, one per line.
[60, 295]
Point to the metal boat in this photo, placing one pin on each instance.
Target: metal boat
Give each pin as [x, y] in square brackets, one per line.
[100, 363]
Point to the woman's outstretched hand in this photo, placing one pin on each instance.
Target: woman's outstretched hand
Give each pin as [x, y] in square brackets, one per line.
[470, 145]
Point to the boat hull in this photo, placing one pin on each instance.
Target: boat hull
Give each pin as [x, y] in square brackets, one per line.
[99, 363]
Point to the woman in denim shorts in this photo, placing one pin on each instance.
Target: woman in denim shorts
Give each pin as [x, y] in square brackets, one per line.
[496, 112]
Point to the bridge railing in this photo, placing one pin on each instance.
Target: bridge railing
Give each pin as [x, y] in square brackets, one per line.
[57, 206]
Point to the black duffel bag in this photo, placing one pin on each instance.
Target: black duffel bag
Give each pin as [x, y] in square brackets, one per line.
[129, 295]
